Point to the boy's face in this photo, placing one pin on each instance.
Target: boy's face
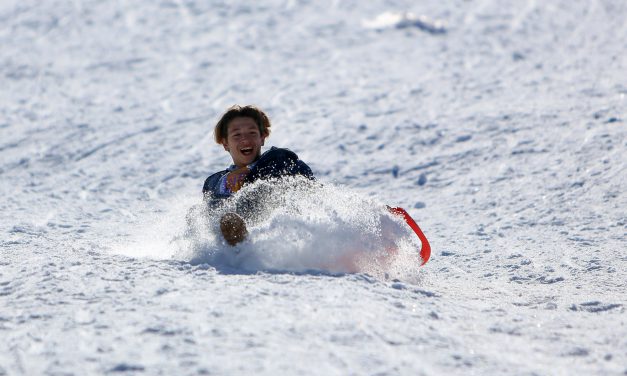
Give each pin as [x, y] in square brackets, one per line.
[243, 141]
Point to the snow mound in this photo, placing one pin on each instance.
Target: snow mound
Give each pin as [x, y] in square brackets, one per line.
[403, 20]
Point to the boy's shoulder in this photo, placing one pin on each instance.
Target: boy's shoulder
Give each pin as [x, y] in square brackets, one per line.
[279, 162]
[277, 153]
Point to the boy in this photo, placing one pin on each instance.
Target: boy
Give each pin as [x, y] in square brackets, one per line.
[242, 132]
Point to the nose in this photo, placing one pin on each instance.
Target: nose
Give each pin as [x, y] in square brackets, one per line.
[246, 138]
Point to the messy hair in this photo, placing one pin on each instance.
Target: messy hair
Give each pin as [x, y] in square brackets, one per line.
[220, 132]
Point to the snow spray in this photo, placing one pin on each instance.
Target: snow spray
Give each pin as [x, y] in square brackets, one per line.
[299, 225]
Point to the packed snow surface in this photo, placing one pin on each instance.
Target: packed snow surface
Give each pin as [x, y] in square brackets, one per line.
[499, 125]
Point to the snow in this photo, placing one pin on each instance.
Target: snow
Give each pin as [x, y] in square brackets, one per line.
[499, 125]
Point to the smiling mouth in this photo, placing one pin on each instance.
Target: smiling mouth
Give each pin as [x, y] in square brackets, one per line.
[246, 151]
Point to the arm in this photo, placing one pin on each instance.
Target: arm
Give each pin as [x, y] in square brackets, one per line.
[211, 191]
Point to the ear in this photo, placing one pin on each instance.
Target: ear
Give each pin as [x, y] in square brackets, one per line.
[263, 140]
[225, 145]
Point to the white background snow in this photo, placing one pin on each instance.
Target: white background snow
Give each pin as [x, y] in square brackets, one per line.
[499, 125]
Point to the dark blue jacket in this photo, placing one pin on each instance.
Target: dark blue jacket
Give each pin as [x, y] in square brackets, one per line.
[274, 163]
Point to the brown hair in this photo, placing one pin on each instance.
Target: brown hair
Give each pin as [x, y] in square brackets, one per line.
[220, 132]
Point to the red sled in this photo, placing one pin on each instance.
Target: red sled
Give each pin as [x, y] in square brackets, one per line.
[425, 250]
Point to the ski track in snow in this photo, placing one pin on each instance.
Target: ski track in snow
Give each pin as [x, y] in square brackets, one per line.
[500, 126]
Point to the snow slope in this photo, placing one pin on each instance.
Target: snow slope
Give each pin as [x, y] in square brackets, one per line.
[499, 125]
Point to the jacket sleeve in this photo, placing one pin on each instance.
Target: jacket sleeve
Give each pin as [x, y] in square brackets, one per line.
[210, 190]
